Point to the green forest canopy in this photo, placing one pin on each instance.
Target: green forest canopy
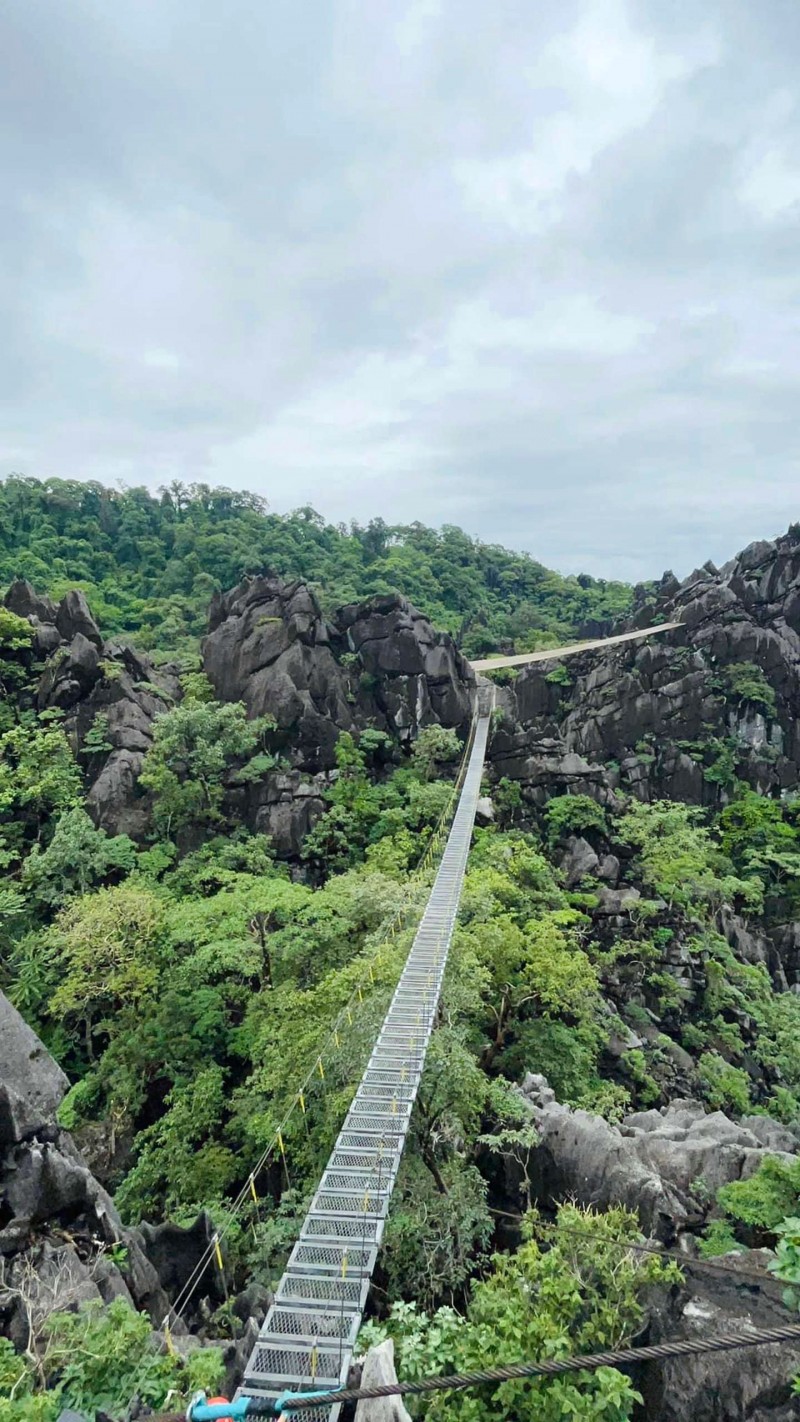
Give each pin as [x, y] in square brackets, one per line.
[149, 563]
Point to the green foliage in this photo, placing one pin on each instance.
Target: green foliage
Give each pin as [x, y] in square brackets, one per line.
[578, 1295]
[726, 1087]
[769, 1196]
[78, 858]
[677, 857]
[786, 1264]
[39, 779]
[719, 1238]
[99, 1360]
[434, 747]
[16, 637]
[149, 563]
[96, 741]
[573, 814]
[744, 683]
[194, 746]
[762, 838]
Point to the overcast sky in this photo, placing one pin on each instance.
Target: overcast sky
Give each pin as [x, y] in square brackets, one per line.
[532, 268]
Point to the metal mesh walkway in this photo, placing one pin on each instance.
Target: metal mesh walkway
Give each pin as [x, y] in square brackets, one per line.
[307, 1339]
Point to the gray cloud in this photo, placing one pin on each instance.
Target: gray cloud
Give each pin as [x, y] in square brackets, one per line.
[530, 269]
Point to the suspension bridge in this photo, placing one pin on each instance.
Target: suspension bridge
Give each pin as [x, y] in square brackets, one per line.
[308, 1336]
[300, 1363]
[307, 1340]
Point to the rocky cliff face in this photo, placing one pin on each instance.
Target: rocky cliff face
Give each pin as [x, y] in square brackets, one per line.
[57, 1223]
[378, 663]
[86, 677]
[652, 718]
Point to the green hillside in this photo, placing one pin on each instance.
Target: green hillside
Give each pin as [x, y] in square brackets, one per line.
[149, 563]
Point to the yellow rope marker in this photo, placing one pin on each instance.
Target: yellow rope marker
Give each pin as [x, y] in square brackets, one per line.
[371, 974]
[168, 1339]
[302, 1101]
[336, 1040]
[360, 994]
[251, 1182]
[366, 1201]
[349, 1018]
[394, 1104]
[279, 1139]
[320, 1069]
[313, 1362]
[344, 1265]
[403, 1073]
[218, 1254]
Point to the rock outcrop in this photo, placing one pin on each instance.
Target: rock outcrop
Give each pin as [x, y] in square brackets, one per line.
[86, 678]
[58, 1226]
[377, 664]
[751, 1383]
[665, 1165]
[650, 718]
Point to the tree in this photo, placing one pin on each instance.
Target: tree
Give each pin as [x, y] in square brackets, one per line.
[78, 858]
[578, 1295]
[195, 746]
[39, 779]
[105, 953]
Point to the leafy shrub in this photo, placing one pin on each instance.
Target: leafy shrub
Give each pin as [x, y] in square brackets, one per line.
[573, 814]
[99, 1360]
[725, 1086]
[719, 1238]
[745, 683]
[768, 1197]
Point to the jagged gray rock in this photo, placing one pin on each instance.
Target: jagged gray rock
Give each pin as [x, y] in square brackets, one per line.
[751, 1383]
[579, 861]
[379, 1371]
[651, 1163]
[32, 1084]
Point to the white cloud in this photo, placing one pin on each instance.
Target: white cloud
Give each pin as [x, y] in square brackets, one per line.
[161, 359]
[772, 185]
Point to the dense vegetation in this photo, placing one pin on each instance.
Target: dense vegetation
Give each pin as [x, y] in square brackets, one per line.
[189, 984]
[149, 563]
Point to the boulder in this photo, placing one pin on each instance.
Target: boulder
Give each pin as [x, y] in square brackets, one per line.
[32, 1085]
[25, 602]
[379, 1371]
[174, 1251]
[73, 618]
[579, 861]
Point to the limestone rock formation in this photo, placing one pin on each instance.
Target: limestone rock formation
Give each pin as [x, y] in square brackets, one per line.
[645, 717]
[651, 1162]
[378, 663]
[751, 1383]
[379, 1371]
[57, 1223]
[85, 677]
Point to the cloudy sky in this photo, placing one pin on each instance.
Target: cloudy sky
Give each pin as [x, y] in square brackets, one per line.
[532, 268]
